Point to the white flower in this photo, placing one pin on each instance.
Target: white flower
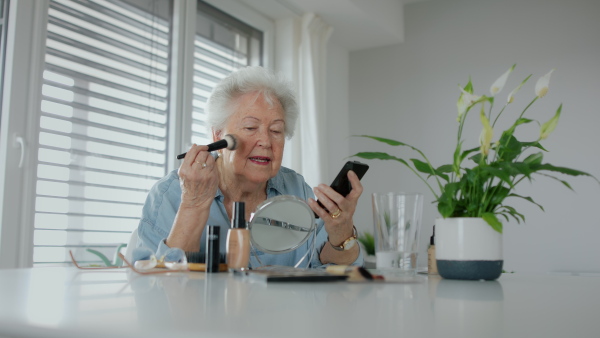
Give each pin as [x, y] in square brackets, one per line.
[500, 82]
[465, 101]
[485, 139]
[541, 86]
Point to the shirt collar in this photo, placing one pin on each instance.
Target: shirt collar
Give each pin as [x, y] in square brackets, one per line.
[274, 186]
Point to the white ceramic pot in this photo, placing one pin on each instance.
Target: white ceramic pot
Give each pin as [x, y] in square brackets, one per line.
[467, 248]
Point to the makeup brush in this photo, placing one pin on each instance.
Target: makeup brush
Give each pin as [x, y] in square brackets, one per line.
[354, 273]
[229, 141]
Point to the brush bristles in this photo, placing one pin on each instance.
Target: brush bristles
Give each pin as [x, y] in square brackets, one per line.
[231, 141]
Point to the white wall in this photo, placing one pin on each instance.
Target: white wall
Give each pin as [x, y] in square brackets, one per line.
[338, 129]
[408, 92]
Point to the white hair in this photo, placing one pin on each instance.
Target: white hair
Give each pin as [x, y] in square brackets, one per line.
[250, 80]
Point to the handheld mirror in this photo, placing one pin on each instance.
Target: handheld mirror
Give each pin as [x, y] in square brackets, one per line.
[281, 224]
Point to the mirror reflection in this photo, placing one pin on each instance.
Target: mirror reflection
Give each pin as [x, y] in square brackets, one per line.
[281, 224]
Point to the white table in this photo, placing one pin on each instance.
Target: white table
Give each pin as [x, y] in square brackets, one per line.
[66, 302]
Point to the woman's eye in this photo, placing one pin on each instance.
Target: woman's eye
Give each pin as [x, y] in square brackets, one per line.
[250, 128]
[276, 131]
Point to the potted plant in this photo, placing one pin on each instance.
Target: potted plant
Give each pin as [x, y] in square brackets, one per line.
[367, 241]
[473, 189]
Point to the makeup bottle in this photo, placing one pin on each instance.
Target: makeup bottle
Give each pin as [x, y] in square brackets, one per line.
[431, 262]
[212, 248]
[238, 239]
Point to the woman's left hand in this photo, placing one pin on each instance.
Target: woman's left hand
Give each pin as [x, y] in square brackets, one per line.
[339, 220]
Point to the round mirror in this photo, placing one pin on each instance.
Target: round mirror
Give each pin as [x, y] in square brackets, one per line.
[281, 224]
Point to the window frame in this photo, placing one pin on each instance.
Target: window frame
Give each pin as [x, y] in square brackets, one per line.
[26, 35]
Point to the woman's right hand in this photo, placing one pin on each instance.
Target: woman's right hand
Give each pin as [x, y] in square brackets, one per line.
[198, 178]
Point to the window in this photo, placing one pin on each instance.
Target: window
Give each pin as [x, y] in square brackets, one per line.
[104, 119]
[222, 44]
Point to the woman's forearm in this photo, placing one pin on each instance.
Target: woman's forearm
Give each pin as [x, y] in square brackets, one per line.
[187, 229]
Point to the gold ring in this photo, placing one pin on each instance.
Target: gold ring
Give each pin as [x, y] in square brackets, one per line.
[337, 213]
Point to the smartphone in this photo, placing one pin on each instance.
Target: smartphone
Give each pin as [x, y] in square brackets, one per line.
[341, 184]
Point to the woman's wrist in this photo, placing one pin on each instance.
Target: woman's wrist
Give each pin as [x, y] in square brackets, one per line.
[339, 239]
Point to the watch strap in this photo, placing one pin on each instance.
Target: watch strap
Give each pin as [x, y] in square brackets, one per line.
[348, 243]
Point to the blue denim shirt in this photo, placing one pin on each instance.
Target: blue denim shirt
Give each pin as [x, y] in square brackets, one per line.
[163, 202]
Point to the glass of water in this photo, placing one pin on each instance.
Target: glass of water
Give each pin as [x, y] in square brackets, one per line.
[397, 222]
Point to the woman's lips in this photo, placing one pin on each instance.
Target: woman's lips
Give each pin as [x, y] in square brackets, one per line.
[260, 160]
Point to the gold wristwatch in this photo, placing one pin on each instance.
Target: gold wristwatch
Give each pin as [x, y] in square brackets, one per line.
[348, 244]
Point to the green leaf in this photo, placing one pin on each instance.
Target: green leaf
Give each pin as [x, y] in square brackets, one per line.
[446, 201]
[562, 170]
[499, 193]
[493, 221]
[445, 208]
[512, 212]
[534, 159]
[469, 87]
[509, 148]
[535, 144]
[565, 183]
[510, 131]
[501, 174]
[368, 242]
[423, 167]
[450, 189]
[457, 159]
[378, 156]
[527, 198]
[427, 169]
[514, 169]
[469, 151]
[385, 140]
[446, 168]
[476, 158]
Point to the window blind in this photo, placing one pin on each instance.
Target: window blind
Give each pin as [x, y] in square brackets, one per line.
[222, 44]
[103, 125]
[104, 114]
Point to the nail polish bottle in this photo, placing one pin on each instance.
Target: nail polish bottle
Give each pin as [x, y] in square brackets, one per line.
[431, 262]
[238, 239]
[212, 248]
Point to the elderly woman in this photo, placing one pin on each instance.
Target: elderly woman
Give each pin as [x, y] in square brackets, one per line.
[261, 110]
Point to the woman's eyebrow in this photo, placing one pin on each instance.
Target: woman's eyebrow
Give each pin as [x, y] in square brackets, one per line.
[250, 117]
[257, 119]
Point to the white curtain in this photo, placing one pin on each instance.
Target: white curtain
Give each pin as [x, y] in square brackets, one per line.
[307, 150]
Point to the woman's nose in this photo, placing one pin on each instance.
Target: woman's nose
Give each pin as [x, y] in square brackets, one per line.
[264, 138]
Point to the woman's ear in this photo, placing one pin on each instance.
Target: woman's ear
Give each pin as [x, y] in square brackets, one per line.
[216, 135]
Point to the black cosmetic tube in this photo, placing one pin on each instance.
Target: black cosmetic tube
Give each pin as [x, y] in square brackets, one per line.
[212, 248]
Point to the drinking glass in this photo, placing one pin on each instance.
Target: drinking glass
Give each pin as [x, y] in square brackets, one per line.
[397, 223]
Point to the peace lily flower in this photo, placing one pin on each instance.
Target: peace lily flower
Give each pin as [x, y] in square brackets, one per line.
[541, 86]
[549, 126]
[501, 81]
[478, 184]
[485, 139]
[465, 101]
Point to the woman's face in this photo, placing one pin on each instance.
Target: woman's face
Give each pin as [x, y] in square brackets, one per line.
[260, 130]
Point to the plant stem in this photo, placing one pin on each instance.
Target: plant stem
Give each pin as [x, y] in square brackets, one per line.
[529, 105]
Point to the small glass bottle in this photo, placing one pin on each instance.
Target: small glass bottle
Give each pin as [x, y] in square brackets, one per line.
[238, 239]
[431, 262]
[212, 248]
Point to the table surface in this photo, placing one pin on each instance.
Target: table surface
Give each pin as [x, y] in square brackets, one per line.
[66, 302]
